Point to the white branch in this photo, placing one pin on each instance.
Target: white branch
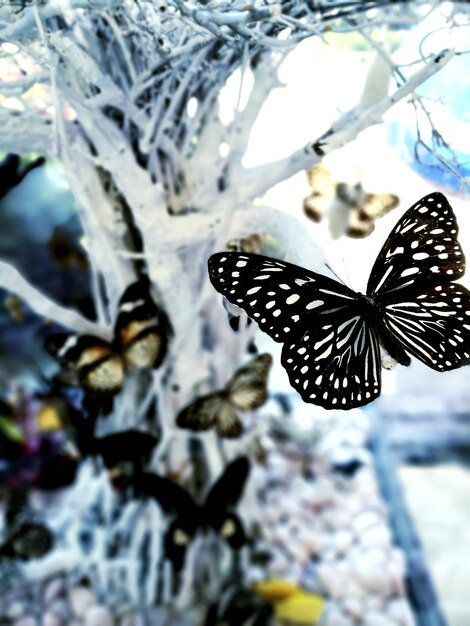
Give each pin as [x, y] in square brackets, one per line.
[258, 180]
[12, 280]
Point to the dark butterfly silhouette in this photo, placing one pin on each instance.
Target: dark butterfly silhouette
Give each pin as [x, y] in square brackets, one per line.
[12, 171]
[245, 391]
[215, 513]
[26, 537]
[332, 335]
[125, 454]
[141, 335]
[355, 208]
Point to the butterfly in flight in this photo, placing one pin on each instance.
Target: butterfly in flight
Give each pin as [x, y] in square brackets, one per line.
[141, 333]
[352, 211]
[216, 512]
[332, 335]
[246, 391]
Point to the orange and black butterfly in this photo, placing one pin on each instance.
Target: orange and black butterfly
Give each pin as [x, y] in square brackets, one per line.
[351, 210]
[246, 391]
[141, 334]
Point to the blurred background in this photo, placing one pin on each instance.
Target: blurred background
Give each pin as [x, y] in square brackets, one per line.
[387, 487]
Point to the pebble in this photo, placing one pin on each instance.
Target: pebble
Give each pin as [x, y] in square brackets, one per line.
[371, 571]
[401, 612]
[374, 618]
[333, 616]
[50, 619]
[98, 616]
[376, 536]
[81, 599]
[353, 607]
[27, 620]
[53, 589]
[60, 609]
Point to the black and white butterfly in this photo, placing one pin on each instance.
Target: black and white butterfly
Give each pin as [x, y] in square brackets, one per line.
[141, 334]
[216, 513]
[352, 210]
[332, 335]
[245, 391]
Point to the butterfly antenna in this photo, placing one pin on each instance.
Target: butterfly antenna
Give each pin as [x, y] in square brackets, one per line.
[328, 266]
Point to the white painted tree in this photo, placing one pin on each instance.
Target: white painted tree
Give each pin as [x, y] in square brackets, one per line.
[130, 105]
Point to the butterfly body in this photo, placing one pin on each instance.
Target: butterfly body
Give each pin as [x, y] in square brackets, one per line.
[332, 335]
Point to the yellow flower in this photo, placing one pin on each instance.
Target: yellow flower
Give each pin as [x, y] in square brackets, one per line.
[291, 603]
[48, 419]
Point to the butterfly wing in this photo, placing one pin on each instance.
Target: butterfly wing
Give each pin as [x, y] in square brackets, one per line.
[212, 410]
[323, 191]
[132, 447]
[179, 504]
[335, 364]
[222, 498]
[99, 369]
[276, 294]
[412, 281]
[248, 388]
[359, 225]
[331, 355]
[377, 205]
[142, 328]
[422, 250]
[433, 323]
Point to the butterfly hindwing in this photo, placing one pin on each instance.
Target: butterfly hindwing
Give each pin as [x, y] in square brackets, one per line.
[433, 325]
[335, 364]
[98, 367]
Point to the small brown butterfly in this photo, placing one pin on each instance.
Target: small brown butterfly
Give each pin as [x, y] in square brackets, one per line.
[141, 335]
[245, 391]
[351, 210]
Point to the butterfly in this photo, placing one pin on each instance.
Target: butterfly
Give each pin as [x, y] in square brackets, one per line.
[141, 334]
[245, 391]
[332, 335]
[25, 536]
[216, 512]
[352, 210]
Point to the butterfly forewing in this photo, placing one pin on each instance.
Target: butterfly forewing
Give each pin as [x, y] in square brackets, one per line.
[279, 296]
[335, 363]
[248, 388]
[142, 328]
[422, 249]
